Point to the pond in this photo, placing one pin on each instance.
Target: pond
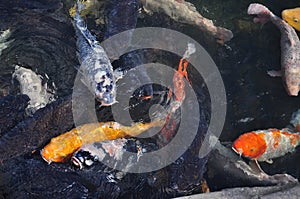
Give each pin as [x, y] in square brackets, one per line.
[40, 36]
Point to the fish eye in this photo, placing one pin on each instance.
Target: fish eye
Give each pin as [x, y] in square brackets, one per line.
[295, 20]
[252, 149]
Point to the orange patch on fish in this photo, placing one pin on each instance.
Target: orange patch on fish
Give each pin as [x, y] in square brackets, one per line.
[61, 147]
[297, 128]
[178, 80]
[277, 136]
[251, 145]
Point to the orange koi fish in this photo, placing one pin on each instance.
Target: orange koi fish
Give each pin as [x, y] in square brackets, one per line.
[62, 147]
[178, 78]
[179, 85]
[264, 145]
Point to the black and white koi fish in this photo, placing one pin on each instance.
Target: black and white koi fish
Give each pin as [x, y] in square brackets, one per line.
[95, 64]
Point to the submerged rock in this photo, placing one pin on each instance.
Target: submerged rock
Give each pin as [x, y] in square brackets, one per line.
[36, 130]
[40, 31]
[225, 169]
[12, 111]
[276, 192]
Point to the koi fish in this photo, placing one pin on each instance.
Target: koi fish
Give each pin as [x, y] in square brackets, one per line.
[185, 12]
[95, 64]
[178, 78]
[4, 35]
[63, 146]
[90, 153]
[290, 47]
[292, 17]
[295, 120]
[31, 85]
[264, 145]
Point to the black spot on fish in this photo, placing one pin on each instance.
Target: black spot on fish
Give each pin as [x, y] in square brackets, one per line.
[109, 75]
[99, 86]
[102, 62]
[108, 88]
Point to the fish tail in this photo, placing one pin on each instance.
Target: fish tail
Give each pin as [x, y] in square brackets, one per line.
[81, 26]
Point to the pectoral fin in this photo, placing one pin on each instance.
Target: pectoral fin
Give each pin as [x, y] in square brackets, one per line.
[274, 73]
[255, 166]
[270, 161]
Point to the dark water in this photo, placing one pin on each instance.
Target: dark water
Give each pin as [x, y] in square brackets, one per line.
[44, 41]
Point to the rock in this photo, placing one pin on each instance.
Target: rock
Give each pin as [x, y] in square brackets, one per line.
[234, 172]
[12, 111]
[38, 129]
[276, 192]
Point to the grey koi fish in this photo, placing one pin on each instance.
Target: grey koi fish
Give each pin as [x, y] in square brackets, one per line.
[290, 47]
[185, 12]
[3, 40]
[31, 85]
[95, 64]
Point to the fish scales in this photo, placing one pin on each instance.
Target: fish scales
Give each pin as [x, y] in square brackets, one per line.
[290, 47]
[95, 64]
[279, 143]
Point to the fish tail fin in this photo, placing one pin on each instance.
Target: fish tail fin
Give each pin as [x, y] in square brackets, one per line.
[80, 24]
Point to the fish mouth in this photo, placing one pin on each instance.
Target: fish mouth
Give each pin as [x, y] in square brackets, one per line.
[106, 99]
[44, 158]
[106, 103]
[293, 92]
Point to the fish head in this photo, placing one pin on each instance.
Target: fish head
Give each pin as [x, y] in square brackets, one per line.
[292, 82]
[292, 17]
[250, 145]
[61, 148]
[292, 90]
[106, 98]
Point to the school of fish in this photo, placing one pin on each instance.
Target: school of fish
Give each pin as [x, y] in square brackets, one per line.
[260, 145]
[86, 155]
[73, 144]
[290, 47]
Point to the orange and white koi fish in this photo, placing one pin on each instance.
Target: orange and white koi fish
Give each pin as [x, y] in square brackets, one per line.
[178, 79]
[62, 147]
[264, 145]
